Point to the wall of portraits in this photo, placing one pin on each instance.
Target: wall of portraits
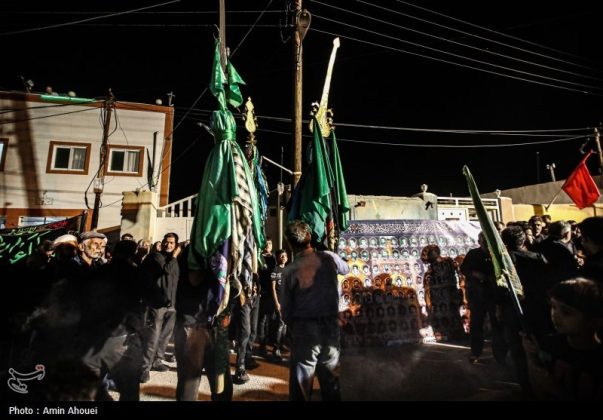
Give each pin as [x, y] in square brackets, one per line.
[392, 295]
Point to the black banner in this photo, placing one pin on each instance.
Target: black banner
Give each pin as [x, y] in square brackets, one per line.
[19, 243]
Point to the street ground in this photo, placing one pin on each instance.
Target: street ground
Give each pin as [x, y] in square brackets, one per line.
[415, 372]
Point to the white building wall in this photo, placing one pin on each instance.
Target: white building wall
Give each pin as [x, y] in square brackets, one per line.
[66, 191]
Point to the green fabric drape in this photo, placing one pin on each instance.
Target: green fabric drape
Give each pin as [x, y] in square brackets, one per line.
[311, 201]
[341, 194]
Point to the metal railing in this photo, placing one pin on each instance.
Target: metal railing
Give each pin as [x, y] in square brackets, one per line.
[491, 204]
[181, 208]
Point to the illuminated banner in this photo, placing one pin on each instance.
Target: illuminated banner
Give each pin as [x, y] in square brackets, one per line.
[18, 243]
[390, 295]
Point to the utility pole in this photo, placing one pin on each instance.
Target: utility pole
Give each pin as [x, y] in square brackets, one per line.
[99, 181]
[301, 23]
[223, 56]
[297, 93]
[598, 144]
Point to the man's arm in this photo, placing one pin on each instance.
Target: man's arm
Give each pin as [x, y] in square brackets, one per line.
[342, 267]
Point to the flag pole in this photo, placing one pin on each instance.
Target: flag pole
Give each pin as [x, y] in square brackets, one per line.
[553, 200]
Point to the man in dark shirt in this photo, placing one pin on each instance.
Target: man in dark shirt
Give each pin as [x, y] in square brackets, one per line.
[481, 290]
[162, 272]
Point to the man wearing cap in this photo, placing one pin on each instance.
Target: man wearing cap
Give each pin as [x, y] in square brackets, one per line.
[91, 249]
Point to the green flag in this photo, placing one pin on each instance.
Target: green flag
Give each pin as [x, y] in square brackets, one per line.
[310, 200]
[498, 252]
[341, 194]
[218, 79]
[233, 93]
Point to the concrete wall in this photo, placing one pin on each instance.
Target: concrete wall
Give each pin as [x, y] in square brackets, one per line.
[390, 208]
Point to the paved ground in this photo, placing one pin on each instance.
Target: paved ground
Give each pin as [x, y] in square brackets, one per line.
[418, 372]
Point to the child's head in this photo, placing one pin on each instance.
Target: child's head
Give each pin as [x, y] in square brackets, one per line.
[576, 306]
[281, 256]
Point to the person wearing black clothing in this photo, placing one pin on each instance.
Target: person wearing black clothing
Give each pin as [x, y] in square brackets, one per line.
[560, 252]
[530, 268]
[266, 300]
[592, 242]
[481, 290]
[112, 321]
[162, 272]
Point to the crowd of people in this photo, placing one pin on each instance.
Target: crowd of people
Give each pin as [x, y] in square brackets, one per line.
[553, 342]
[99, 320]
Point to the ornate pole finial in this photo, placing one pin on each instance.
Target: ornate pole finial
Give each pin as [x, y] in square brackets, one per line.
[251, 122]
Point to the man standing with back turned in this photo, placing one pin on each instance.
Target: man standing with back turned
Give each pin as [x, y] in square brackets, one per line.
[309, 306]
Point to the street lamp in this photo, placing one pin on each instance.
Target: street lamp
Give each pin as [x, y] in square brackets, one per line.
[98, 185]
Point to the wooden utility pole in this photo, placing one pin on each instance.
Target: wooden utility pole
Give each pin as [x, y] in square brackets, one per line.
[598, 144]
[99, 181]
[297, 92]
[223, 56]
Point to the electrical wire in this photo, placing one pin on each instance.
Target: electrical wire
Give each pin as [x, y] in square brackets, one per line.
[463, 57]
[475, 36]
[435, 146]
[416, 129]
[60, 25]
[11, 110]
[501, 34]
[46, 116]
[459, 43]
[457, 64]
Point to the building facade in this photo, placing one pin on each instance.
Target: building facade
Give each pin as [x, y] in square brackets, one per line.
[50, 157]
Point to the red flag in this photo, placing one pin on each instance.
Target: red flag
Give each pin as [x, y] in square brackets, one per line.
[581, 187]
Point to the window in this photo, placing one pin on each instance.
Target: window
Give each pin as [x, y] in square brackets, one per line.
[125, 160]
[3, 152]
[68, 158]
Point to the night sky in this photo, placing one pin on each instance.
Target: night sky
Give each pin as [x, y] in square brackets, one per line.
[142, 56]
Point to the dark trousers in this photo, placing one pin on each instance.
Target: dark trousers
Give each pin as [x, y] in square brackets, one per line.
[315, 350]
[513, 328]
[121, 358]
[160, 325]
[248, 324]
[481, 304]
[265, 313]
[198, 347]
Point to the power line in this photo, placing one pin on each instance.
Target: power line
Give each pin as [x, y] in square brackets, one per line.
[59, 25]
[253, 26]
[462, 57]
[47, 116]
[171, 25]
[173, 12]
[458, 43]
[457, 64]
[529, 133]
[498, 33]
[446, 146]
[15, 110]
[477, 36]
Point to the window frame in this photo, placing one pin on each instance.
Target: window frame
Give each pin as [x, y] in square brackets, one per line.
[4, 142]
[50, 162]
[114, 147]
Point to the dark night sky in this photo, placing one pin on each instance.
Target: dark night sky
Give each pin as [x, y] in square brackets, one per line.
[371, 85]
